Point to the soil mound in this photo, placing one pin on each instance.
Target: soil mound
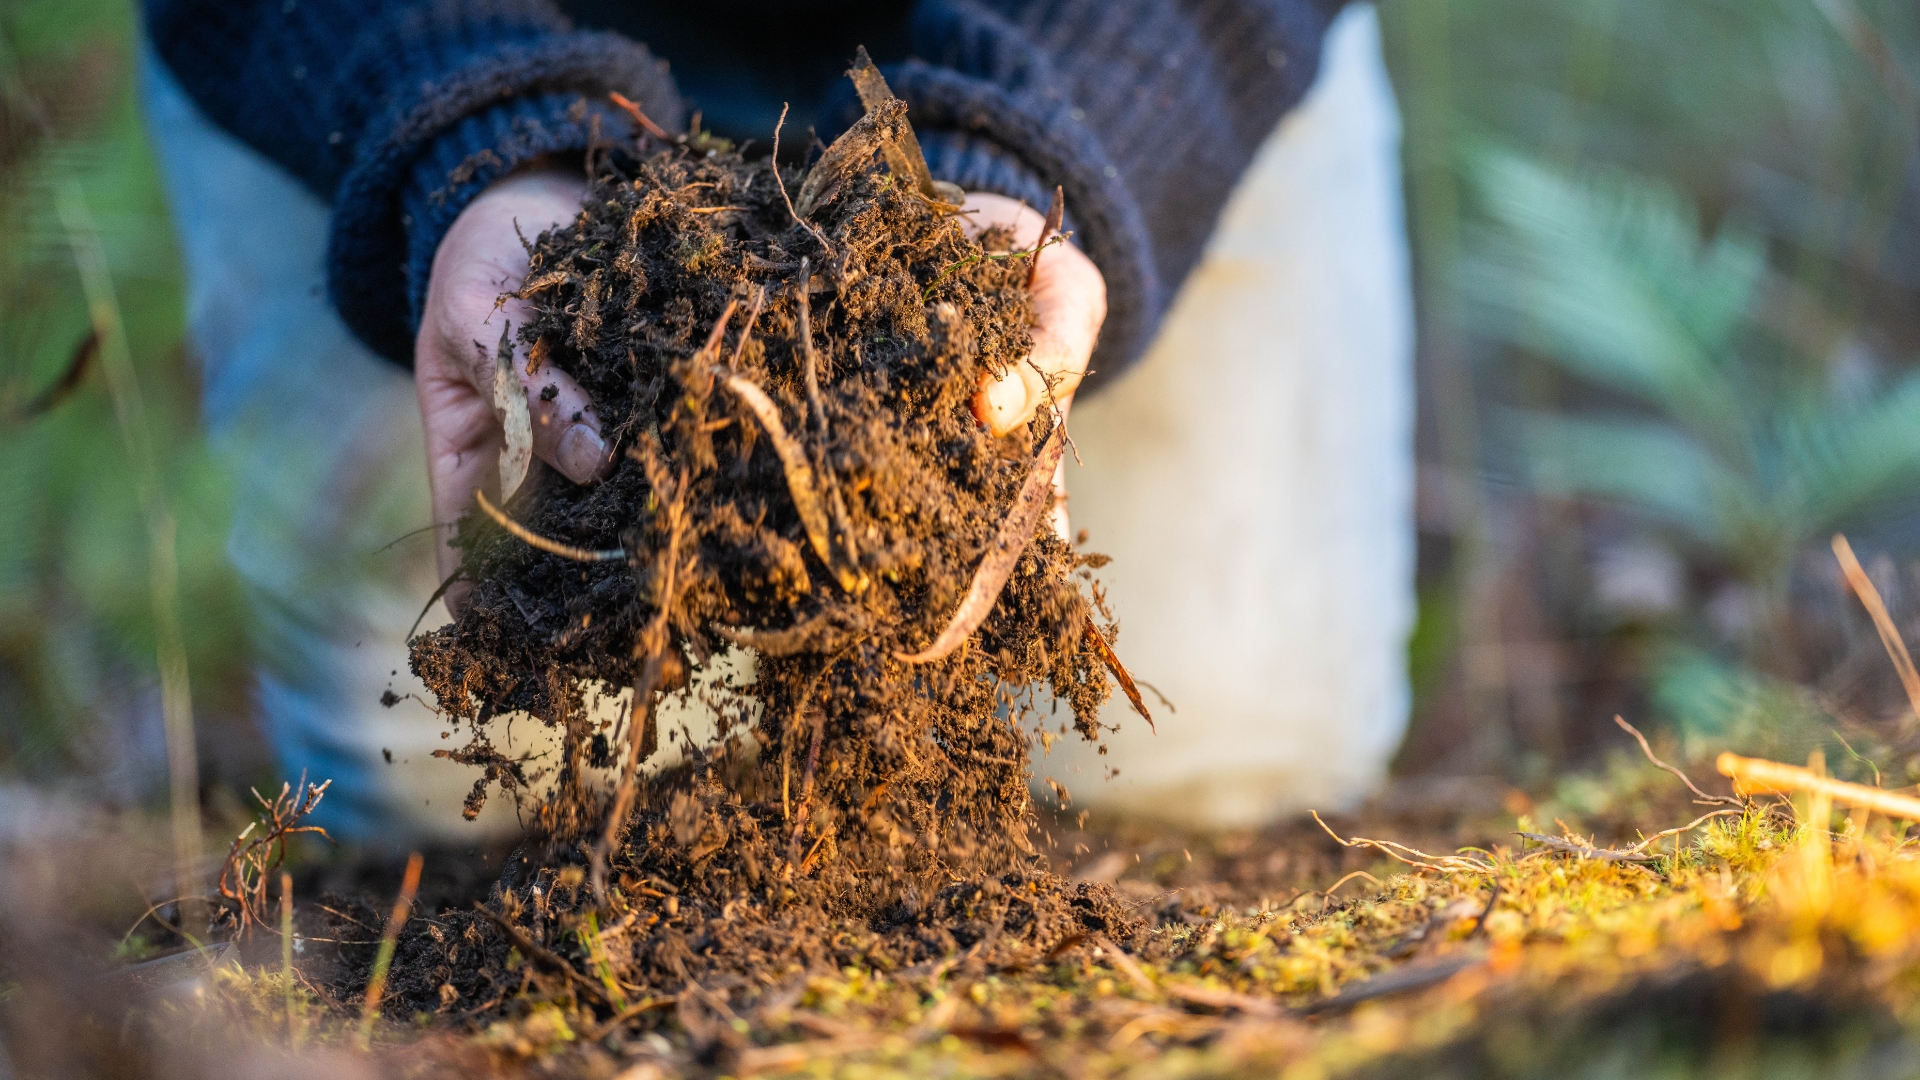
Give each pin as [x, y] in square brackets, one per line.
[800, 477]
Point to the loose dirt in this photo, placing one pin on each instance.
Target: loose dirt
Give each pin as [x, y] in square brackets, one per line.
[801, 479]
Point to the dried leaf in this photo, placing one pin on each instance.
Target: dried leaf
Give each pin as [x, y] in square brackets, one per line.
[1036, 495]
[1120, 674]
[510, 405]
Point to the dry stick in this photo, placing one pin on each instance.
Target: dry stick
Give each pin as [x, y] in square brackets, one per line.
[1128, 966]
[1889, 633]
[1015, 531]
[1327, 896]
[551, 547]
[1691, 786]
[632, 109]
[1760, 776]
[376, 986]
[774, 161]
[1659, 836]
[1056, 213]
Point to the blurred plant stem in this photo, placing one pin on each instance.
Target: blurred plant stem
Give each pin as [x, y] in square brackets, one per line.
[123, 387]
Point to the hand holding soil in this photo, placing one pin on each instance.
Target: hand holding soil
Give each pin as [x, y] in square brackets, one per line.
[1069, 303]
[482, 258]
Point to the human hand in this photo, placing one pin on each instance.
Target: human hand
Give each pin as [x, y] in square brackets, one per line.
[1069, 304]
[481, 258]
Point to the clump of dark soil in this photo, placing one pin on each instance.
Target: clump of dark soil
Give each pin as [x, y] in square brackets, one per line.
[856, 807]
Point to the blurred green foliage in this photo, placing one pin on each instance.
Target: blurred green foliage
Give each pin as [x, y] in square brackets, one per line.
[76, 621]
[1669, 274]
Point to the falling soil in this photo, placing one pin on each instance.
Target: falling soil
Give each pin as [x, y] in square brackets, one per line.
[801, 480]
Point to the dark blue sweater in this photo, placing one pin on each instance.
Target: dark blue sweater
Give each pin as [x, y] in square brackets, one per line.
[401, 111]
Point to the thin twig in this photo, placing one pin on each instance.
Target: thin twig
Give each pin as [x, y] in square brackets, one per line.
[551, 547]
[1889, 633]
[632, 109]
[1413, 856]
[1691, 786]
[1327, 896]
[774, 161]
[1056, 213]
[1128, 966]
[806, 789]
[1586, 851]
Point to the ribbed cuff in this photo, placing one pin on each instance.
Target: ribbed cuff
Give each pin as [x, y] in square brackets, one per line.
[461, 164]
[409, 183]
[983, 137]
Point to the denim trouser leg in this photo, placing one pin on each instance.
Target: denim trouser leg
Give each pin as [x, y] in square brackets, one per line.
[325, 442]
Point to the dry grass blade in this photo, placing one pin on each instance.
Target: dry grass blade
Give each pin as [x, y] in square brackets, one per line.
[790, 1057]
[1760, 776]
[1889, 633]
[632, 108]
[800, 479]
[551, 547]
[1648, 750]
[1104, 650]
[377, 985]
[1036, 495]
[1448, 864]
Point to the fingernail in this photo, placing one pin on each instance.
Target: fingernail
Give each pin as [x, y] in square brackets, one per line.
[1006, 401]
[581, 453]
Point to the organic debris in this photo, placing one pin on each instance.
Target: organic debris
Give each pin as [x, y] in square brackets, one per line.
[801, 494]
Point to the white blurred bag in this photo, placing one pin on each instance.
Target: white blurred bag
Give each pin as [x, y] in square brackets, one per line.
[1253, 479]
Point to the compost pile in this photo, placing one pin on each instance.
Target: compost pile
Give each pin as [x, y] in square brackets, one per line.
[785, 364]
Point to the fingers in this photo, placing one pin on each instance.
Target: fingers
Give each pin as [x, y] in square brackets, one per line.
[479, 259]
[1069, 304]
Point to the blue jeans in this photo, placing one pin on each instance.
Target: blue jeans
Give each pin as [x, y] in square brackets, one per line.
[325, 444]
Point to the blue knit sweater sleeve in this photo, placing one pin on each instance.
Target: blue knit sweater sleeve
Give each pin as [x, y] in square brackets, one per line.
[1145, 112]
[399, 112]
